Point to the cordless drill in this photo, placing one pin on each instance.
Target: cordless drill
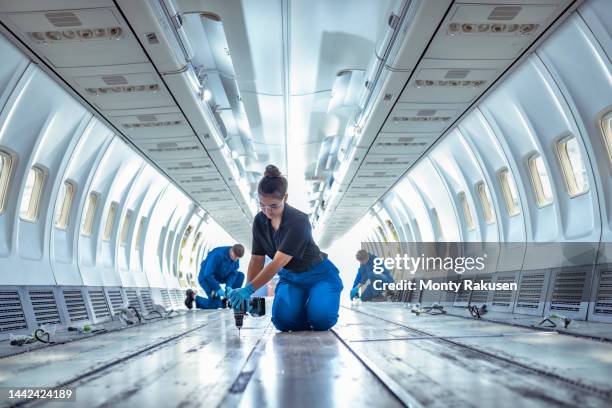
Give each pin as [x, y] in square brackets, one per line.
[256, 307]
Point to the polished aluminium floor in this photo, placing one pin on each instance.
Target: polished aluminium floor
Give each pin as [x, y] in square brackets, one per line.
[378, 355]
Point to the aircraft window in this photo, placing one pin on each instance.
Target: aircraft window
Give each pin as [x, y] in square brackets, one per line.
[510, 193]
[196, 241]
[169, 243]
[573, 168]
[606, 129]
[437, 226]
[62, 214]
[540, 181]
[125, 228]
[110, 221]
[467, 214]
[485, 200]
[160, 245]
[6, 164]
[32, 194]
[393, 230]
[139, 234]
[90, 212]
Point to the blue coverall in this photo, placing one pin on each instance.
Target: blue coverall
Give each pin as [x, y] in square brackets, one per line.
[308, 299]
[366, 272]
[217, 268]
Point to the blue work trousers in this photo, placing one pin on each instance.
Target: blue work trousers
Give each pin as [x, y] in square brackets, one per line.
[307, 300]
[209, 302]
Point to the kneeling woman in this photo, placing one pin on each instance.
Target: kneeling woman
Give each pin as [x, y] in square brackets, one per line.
[308, 292]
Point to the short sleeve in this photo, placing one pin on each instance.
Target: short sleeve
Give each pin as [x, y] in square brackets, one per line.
[295, 240]
[258, 248]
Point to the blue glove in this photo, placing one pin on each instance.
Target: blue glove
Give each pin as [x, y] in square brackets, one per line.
[221, 293]
[228, 291]
[354, 292]
[237, 296]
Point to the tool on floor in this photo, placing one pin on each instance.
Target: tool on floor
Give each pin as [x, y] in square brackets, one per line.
[434, 309]
[477, 312]
[255, 307]
[548, 320]
[42, 334]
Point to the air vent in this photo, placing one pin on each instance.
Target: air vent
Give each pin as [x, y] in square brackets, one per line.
[567, 292]
[116, 299]
[166, 298]
[504, 13]
[426, 112]
[177, 296]
[480, 296]
[399, 119]
[147, 118]
[11, 311]
[63, 19]
[75, 305]
[166, 123]
[195, 167]
[132, 298]
[45, 308]
[166, 145]
[405, 144]
[145, 295]
[457, 73]
[530, 290]
[114, 80]
[124, 89]
[488, 29]
[173, 149]
[503, 297]
[100, 33]
[426, 83]
[395, 161]
[462, 296]
[603, 303]
[98, 303]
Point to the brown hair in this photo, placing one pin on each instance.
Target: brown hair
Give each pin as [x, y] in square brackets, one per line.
[238, 250]
[273, 183]
[362, 255]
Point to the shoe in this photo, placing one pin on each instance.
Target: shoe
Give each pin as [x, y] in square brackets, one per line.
[190, 295]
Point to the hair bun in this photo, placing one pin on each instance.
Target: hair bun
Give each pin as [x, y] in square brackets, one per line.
[272, 171]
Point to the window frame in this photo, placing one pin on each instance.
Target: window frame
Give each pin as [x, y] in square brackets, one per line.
[63, 221]
[125, 228]
[35, 195]
[486, 202]
[437, 225]
[89, 215]
[6, 171]
[567, 167]
[139, 234]
[111, 216]
[536, 181]
[467, 212]
[606, 133]
[506, 184]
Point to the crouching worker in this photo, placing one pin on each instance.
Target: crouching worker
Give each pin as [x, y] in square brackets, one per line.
[366, 276]
[307, 294]
[220, 266]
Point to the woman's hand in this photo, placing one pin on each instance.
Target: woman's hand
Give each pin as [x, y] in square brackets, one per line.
[237, 296]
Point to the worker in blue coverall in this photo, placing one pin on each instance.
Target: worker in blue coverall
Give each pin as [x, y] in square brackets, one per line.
[366, 272]
[220, 266]
[307, 295]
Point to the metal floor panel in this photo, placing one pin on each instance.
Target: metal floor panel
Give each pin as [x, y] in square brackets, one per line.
[440, 374]
[377, 355]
